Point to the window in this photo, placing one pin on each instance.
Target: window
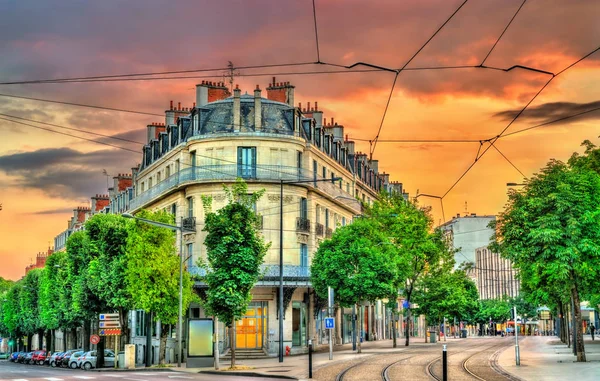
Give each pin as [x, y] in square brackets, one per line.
[143, 186]
[140, 327]
[193, 158]
[174, 209]
[324, 172]
[343, 221]
[167, 171]
[158, 177]
[315, 169]
[347, 187]
[299, 160]
[189, 254]
[247, 162]
[303, 255]
[150, 183]
[177, 167]
[326, 218]
[303, 208]
[190, 201]
[318, 217]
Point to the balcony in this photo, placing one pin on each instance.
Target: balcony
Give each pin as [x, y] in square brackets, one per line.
[319, 229]
[328, 232]
[230, 172]
[189, 224]
[303, 225]
[269, 272]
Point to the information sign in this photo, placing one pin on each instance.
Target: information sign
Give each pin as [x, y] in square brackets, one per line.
[329, 323]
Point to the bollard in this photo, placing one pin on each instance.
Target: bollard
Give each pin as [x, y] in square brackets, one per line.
[444, 364]
[310, 352]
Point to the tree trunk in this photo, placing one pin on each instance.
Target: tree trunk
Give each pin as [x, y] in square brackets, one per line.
[359, 329]
[407, 330]
[40, 336]
[232, 343]
[52, 346]
[394, 345]
[125, 333]
[29, 342]
[85, 332]
[561, 325]
[578, 324]
[73, 335]
[567, 325]
[100, 352]
[162, 351]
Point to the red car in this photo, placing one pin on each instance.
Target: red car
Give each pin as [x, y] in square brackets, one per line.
[38, 357]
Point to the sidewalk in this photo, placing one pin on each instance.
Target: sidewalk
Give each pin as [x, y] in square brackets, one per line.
[296, 367]
[547, 358]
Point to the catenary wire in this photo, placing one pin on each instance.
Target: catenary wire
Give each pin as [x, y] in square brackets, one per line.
[549, 122]
[504, 31]
[73, 129]
[316, 31]
[507, 159]
[404, 66]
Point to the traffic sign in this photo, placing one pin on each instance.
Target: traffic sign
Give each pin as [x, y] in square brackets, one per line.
[329, 323]
[110, 332]
[109, 324]
[94, 339]
[107, 317]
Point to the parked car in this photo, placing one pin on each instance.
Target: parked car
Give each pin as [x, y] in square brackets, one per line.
[4, 356]
[52, 361]
[21, 357]
[64, 361]
[28, 357]
[89, 361]
[73, 361]
[13, 356]
[38, 357]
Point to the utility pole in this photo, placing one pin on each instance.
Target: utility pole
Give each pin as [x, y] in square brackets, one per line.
[517, 354]
[230, 74]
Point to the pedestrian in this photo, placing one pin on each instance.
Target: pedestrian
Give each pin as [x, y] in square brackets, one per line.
[592, 329]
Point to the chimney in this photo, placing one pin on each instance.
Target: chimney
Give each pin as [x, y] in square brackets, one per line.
[281, 92]
[236, 109]
[207, 92]
[257, 109]
[350, 147]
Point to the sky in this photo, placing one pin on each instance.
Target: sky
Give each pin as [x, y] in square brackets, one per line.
[45, 175]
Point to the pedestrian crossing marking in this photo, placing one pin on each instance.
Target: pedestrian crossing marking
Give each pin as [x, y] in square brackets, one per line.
[20, 379]
[145, 374]
[84, 377]
[114, 375]
[53, 379]
[180, 377]
[135, 379]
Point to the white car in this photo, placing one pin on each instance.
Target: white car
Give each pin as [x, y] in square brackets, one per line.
[73, 361]
[88, 360]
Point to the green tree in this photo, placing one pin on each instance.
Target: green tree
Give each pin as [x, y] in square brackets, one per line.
[552, 226]
[410, 229]
[235, 251]
[359, 263]
[52, 300]
[108, 236]
[153, 272]
[11, 309]
[29, 313]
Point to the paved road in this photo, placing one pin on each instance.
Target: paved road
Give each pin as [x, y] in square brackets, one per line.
[20, 372]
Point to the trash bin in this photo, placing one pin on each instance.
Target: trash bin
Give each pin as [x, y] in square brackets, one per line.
[463, 333]
[432, 336]
[121, 360]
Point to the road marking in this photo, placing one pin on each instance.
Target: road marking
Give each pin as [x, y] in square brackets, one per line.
[20, 379]
[53, 379]
[114, 375]
[84, 377]
[135, 379]
[145, 374]
[180, 377]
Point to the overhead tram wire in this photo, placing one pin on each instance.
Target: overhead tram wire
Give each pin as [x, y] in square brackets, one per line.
[70, 79]
[495, 138]
[549, 122]
[419, 140]
[502, 34]
[507, 159]
[372, 150]
[316, 31]
[73, 129]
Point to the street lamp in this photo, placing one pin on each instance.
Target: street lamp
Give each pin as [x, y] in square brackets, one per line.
[438, 197]
[180, 229]
[280, 312]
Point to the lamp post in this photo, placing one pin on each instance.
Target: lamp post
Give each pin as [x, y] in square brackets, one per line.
[180, 229]
[280, 312]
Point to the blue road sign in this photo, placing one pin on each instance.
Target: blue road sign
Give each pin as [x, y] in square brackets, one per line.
[329, 323]
[405, 304]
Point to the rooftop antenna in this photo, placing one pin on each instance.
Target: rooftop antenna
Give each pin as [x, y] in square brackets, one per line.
[230, 74]
[107, 176]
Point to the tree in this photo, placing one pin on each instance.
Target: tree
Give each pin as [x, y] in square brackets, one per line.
[549, 229]
[153, 272]
[235, 251]
[359, 263]
[29, 313]
[52, 301]
[108, 236]
[410, 229]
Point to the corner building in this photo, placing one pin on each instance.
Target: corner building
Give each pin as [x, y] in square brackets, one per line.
[265, 141]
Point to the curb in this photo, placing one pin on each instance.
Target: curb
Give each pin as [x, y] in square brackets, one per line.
[248, 374]
[134, 370]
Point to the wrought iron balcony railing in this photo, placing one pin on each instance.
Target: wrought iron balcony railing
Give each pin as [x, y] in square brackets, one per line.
[189, 224]
[302, 225]
[267, 271]
[320, 229]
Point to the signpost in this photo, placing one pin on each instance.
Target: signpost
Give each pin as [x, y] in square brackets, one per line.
[94, 339]
[329, 322]
[110, 325]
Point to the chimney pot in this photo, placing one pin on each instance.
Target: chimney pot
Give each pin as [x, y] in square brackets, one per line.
[300, 105]
[237, 87]
[332, 120]
[171, 107]
[273, 81]
[194, 105]
[316, 106]
[308, 106]
[178, 105]
[257, 87]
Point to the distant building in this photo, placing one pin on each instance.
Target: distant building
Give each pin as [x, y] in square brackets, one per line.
[40, 260]
[495, 275]
[466, 234]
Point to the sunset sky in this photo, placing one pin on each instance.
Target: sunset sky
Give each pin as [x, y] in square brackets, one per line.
[44, 175]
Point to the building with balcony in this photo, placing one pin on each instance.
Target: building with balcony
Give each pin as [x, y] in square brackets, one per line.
[271, 144]
[495, 275]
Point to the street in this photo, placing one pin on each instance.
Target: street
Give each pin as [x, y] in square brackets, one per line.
[20, 372]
